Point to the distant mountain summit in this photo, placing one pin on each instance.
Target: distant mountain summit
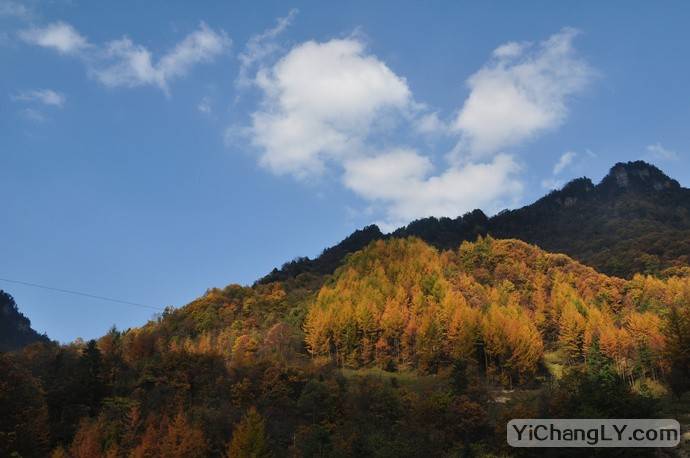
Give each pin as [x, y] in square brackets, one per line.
[637, 176]
[636, 219]
[15, 328]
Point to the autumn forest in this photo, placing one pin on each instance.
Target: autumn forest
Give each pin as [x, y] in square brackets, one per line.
[424, 343]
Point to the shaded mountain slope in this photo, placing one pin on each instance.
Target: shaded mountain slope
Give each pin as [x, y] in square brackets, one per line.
[329, 259]
[636, 219]
[15, 328]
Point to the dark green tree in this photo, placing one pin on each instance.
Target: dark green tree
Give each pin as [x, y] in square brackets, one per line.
[677, 333]
[24, 418]
[90, 377]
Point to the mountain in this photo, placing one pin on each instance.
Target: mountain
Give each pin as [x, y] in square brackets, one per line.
[636, 219]
[415, 343]
[329, 260]
[406, 350]
[15, 328]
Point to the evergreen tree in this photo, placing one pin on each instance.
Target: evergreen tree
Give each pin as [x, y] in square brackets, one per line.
[24, 418]
[183, 440]
[677, 333]
[249, 437]
[90, 373]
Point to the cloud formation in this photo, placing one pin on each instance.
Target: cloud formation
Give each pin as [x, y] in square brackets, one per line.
[261, 46]
[521, 92]
[44, 96]
[335, 107]
[58, 36]
[657, 152]
[127, 64]
[204, 105]
[564, 161]
[123, 63]
[33, 115]
[35, 98]
[403, 182]
[320, 102]
[9, 8]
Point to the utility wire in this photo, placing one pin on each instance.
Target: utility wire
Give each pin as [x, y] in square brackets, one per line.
[78, 293]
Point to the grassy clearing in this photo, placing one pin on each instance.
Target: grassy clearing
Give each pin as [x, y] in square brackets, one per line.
[554, 362]
[405, 379]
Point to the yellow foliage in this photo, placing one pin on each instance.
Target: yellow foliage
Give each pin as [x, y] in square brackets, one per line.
[401, 299]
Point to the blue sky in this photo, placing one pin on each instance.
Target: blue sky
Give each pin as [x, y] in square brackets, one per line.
[151, 150]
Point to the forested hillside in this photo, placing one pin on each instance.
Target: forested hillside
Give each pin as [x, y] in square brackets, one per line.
[405, 351]
[15, 328]
[636, 220]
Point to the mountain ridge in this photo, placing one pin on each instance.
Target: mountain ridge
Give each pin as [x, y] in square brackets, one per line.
[635, 191]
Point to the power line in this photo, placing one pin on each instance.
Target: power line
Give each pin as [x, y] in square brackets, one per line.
[78, 293]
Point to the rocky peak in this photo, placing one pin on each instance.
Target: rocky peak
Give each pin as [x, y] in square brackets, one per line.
[637, 175]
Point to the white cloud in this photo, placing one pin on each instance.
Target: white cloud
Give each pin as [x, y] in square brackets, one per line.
[565, 160]
[334, 107]
[510, 50]
[44, 96]
[521, 92]
[125, 63]
[14, 9]
[551, 183]
[386, 176]
[402, 181]
[31, 114]
[430, 123]
[130, 65]
[204, 105]
[59, 36]
[320, 102]
[659, 153]
[261, 46]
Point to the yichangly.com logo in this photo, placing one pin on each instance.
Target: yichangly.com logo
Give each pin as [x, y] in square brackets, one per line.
[593, 433]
